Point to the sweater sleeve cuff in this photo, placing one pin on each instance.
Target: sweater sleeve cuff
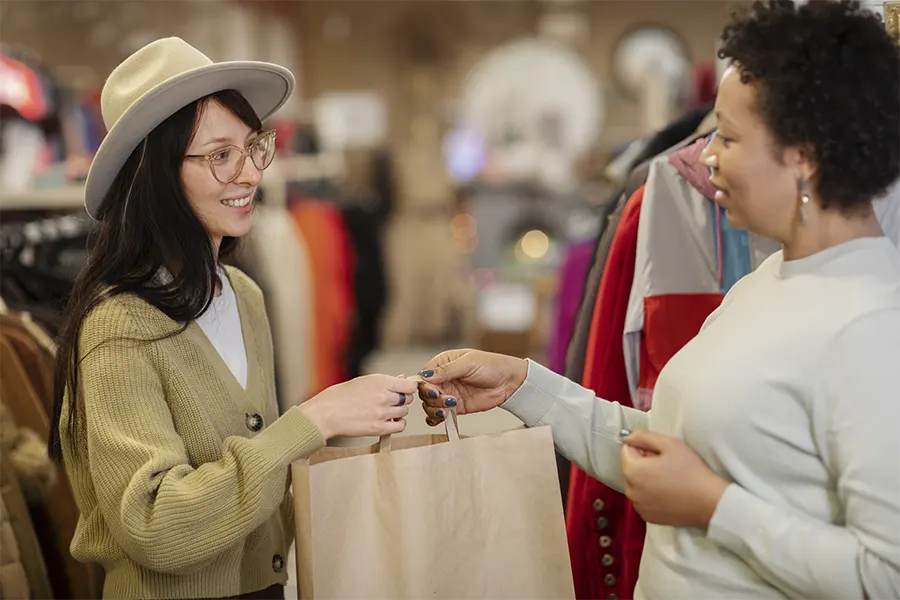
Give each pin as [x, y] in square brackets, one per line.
[733, 522]
[292, 436]
[530, 403]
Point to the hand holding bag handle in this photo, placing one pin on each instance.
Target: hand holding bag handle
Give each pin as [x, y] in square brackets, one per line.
[451, 426]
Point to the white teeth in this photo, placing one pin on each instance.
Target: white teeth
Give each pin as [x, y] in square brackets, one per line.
[239, 203]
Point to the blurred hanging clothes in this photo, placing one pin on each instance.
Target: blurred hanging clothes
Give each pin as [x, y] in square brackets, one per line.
[364, 222]
[23, 89]
[275, 255]
[575, 264]
[331, 262]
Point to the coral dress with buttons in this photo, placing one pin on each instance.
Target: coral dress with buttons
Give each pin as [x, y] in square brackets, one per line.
[606, 536]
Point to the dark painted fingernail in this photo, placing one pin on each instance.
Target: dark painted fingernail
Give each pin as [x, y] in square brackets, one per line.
[625, 433]
[450, 402]
[427, 373]
[429, 421]
[439, 414]
[432, 394]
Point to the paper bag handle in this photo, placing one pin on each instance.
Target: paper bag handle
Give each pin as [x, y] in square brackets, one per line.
[451, 426]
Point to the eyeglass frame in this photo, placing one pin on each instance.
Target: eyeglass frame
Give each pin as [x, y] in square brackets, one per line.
[245, 152]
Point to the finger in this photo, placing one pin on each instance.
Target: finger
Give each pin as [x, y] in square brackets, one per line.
[394, 427]
[404, 399]
[651, 441]
[450, 371]
[400, 385]
[435, 415]
[398, 412]
[433, 396]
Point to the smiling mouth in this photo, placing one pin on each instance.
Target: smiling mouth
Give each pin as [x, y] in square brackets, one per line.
[721, 193]
[238, 202]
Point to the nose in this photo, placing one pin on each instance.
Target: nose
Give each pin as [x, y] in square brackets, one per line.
[249, 174]
[708, 158]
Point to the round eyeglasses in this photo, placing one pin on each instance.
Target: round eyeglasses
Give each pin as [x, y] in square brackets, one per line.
[226, 163]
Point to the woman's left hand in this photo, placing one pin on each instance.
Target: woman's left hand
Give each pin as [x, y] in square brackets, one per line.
[667, 482]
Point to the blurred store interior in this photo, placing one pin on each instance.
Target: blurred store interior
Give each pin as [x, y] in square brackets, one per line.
[443, 173]
[437, 164]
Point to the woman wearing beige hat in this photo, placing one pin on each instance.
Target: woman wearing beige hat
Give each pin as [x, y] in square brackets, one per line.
[165, 412]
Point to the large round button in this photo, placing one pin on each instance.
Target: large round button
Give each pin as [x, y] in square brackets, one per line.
[602, 522]
[254, 422]
[608, 560]
[605, 541]
[610, 579]
[599, 504]
[278, 563]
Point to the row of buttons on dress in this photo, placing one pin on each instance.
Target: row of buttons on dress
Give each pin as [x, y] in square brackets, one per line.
[605, 542]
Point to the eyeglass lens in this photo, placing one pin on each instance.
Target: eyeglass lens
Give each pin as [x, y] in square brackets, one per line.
[228, 162]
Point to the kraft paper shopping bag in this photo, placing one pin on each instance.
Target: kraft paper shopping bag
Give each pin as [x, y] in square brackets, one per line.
[433, 516]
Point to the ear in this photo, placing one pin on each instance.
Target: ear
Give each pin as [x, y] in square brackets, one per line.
[802, 161]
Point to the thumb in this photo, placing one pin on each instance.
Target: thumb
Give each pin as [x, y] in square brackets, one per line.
[455, 369]
[648, 441]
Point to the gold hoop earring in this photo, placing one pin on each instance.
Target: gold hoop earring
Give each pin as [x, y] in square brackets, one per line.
[804, 200]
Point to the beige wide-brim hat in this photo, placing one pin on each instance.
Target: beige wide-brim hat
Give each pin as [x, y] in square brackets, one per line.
[156, 82]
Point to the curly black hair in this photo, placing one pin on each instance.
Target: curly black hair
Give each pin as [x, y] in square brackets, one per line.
[828, 78]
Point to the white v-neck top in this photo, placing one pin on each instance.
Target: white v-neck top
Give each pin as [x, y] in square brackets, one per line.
[222, 325]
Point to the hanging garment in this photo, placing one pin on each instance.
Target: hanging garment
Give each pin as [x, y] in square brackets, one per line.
[13, 578]
[369, 283]
[604, 544]
[276, 255]
[32, 471]
[575, 264]
[678, 272]
[636, 179]
[56, 517]
[331, 261]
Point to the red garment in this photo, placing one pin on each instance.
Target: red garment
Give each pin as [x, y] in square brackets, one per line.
[606, 536]
[331, 264]
[670, 322]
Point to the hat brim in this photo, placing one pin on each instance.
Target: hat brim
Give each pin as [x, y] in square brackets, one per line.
[266, 87]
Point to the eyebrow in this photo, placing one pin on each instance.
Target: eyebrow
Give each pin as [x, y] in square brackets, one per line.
[722, 118]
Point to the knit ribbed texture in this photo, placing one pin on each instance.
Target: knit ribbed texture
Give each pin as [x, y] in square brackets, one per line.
[178, 497]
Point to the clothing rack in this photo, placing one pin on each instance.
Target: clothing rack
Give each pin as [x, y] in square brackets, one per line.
[40, 257]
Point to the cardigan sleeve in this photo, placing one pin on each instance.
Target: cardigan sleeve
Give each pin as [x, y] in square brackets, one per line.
[585, 428]
[167, 514]
[858, 555]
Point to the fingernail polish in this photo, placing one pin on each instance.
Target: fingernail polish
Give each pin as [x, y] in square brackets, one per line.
[427, 373]
[625, 433]
[439, 414]
[432, 394]
[429, 421]
[450, 402]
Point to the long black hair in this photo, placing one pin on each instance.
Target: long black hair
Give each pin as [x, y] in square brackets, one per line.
[146, 225]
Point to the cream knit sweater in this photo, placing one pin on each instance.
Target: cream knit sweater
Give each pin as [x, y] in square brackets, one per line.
[179, 496]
